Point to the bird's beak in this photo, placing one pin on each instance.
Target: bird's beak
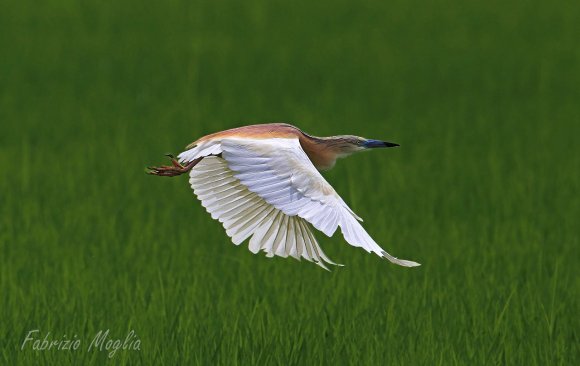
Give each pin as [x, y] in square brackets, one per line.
[370, 144]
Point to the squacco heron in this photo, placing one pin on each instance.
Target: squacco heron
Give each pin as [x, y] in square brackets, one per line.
[263, 182]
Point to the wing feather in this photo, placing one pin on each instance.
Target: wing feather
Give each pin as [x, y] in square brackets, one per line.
[290, 245]
[242, 228]
[204, 149]
[271, 233]
[308, 251]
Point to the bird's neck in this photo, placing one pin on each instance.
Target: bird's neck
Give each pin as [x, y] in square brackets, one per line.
[321, 151]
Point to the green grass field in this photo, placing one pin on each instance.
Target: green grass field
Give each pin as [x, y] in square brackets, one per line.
[484, 98]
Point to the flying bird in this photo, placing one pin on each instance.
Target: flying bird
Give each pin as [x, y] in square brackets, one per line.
[263, 182]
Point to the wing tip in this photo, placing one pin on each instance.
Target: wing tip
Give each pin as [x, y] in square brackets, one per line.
[400, 262]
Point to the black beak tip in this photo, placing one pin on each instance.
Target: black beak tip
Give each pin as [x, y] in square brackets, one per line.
[378, 143]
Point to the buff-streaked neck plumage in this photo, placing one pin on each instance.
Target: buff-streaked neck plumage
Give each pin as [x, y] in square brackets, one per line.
[322, 151]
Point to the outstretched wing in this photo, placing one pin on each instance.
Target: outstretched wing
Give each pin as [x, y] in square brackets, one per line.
[244, 213]
[280, 172]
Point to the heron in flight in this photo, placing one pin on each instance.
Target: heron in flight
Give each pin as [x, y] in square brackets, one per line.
[263, 182]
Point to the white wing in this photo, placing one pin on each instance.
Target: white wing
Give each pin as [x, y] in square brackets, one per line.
[269, 189]
[243, 214]
[205, 148]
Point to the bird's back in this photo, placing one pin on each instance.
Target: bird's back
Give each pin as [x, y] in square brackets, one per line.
[261, 131]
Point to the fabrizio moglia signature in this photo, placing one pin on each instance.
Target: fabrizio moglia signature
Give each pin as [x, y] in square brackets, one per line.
[102, 341]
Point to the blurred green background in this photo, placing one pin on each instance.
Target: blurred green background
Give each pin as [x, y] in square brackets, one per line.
[483, 96]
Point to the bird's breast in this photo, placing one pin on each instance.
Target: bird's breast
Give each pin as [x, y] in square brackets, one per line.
[319, 155]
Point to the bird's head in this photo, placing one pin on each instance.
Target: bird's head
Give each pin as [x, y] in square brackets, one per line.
[348, 144]
[323, 151]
